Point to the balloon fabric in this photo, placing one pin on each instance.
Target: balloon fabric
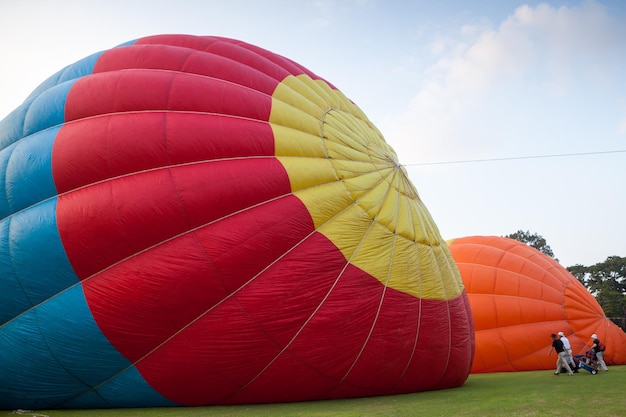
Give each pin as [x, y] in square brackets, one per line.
[194, 220]
[519, 296]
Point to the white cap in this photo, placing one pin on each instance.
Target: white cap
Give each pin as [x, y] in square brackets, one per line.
[561, 334]
[594, 336]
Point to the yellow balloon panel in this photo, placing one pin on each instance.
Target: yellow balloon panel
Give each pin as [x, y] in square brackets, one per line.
[357, 193]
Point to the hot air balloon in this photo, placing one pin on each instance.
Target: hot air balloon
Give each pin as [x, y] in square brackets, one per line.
[519, 296]
[194, 220]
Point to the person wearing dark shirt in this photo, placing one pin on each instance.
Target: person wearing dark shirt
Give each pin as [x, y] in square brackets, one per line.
[561, 360]
[596, 346]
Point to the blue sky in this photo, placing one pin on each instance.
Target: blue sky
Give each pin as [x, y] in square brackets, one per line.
[496, 81]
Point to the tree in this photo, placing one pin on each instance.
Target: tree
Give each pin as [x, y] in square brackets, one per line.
[580, 273]
[607, 282]
[533, 240]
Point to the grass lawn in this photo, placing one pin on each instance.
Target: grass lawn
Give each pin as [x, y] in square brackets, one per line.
[511, 394]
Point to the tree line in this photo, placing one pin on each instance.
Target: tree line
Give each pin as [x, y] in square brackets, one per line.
[606, 280]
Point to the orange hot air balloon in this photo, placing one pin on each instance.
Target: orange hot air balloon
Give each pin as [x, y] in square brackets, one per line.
[518, 297]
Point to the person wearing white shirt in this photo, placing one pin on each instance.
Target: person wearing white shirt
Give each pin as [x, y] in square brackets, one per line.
[568, 350]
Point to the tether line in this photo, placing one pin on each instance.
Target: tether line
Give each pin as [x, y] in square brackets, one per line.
[469, 161]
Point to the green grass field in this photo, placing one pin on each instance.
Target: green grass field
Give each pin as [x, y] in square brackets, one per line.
[536, 393]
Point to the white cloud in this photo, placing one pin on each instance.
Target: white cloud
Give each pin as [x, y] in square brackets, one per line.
[491, 81]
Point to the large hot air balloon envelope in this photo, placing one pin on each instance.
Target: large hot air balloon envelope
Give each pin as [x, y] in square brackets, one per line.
[519, 296]
[195, 220]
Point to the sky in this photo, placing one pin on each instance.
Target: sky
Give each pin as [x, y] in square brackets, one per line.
[508, 115]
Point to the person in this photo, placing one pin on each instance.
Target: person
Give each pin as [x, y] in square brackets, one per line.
[596, 347]
[561, 355]
[568, 351]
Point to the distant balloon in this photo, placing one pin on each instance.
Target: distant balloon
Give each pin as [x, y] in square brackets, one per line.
[195, 220]
[519, 296]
